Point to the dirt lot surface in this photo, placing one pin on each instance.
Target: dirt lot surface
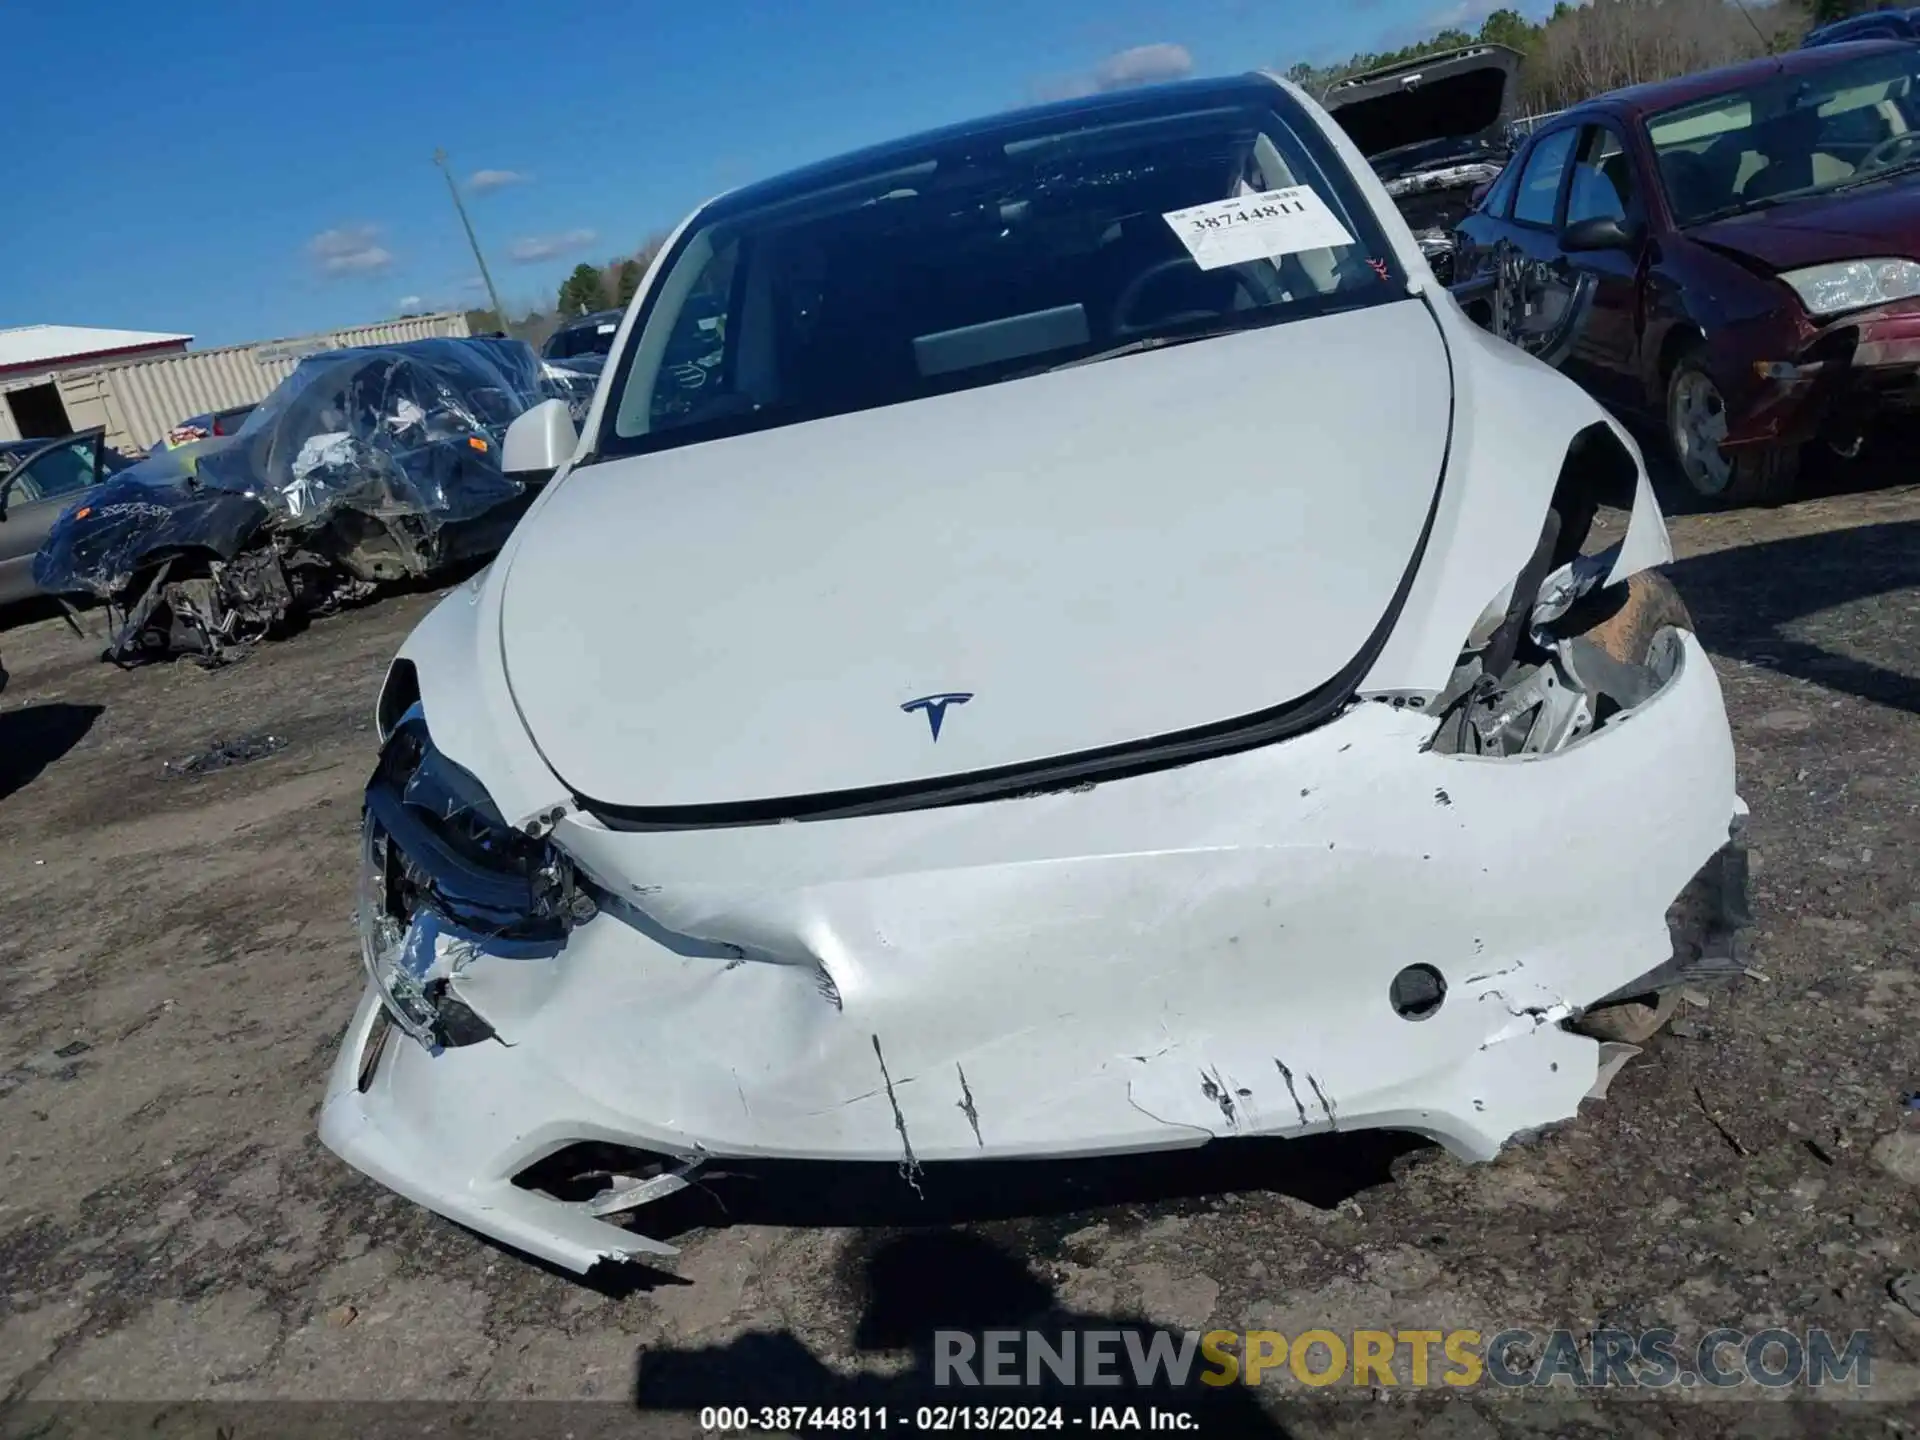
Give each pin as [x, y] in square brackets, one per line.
[178, 963]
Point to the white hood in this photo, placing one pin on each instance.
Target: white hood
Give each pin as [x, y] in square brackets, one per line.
[1097, 556]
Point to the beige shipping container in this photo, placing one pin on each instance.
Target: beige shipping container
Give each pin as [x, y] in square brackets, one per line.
[140, 401]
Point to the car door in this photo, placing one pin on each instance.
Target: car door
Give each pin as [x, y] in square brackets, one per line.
[1539, 304]
[33, 496]
[1477, 240]
[1604, 184]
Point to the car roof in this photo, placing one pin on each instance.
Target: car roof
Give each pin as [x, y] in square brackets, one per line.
[598, 317]
[1656, 95]
[1141, 101]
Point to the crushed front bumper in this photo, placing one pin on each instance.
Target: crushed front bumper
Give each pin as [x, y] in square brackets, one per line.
[1838, 381]
[1201, 952]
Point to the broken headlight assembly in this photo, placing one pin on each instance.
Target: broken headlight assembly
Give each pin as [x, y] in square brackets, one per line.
[444, 880]
[1568, 655]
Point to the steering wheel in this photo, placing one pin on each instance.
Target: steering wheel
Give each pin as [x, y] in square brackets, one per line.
[1123, 323]
[1882, 153]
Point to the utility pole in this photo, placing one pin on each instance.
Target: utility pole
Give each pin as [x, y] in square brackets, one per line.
[440, 159]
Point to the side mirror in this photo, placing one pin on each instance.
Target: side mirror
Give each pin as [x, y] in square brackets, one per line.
[539, 442]
[1601, 232]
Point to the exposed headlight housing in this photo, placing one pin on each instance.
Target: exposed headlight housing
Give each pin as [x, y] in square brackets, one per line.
[443, 880]
[1854, 284]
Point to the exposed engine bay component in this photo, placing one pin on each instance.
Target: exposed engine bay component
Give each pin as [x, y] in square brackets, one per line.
[364, 467]
[1434, 129]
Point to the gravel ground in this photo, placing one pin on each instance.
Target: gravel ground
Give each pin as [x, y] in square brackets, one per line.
[178, 967]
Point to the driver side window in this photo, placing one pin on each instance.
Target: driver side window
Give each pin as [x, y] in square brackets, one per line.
[66, 470]
[1540, 181]
[1602, 186]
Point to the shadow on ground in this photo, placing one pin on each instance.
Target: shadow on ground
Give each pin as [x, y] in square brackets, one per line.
[34, 736]
[1886, 461]
[914, 1286]
[1038, 1201]
[1745, 599]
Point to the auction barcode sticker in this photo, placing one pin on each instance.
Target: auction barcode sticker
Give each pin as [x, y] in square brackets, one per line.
[1259, 226]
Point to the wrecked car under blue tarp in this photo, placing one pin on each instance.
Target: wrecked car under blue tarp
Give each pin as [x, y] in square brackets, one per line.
[365, 467]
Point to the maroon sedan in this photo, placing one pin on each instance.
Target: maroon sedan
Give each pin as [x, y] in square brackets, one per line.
[1736, 253]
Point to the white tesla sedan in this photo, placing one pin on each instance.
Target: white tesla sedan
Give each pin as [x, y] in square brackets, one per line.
[1056, 637]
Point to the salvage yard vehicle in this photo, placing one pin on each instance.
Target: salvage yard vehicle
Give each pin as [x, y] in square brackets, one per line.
[1736, 253]
[1435, 129]
[1110, 659]
[588, 335]
[365, 466]
[196, 428]
[38, 480]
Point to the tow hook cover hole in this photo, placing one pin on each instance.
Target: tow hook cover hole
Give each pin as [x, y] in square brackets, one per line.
[1417, 991]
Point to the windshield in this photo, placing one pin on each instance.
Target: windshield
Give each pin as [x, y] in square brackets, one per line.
[992, 255]
[1790, 136]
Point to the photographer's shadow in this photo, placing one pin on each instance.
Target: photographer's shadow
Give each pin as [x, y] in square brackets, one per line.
[930, 1281]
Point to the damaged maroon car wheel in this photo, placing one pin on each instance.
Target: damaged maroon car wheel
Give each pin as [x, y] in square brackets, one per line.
[1696, 428]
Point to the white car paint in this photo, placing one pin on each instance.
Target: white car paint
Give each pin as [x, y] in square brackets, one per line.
[1200, 951]
[814, 569]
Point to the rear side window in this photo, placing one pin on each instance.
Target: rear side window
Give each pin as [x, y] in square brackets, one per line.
[1540, 181]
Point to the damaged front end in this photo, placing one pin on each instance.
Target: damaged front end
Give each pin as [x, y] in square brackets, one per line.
[365, 467]
[444, 879]
[587, 1016]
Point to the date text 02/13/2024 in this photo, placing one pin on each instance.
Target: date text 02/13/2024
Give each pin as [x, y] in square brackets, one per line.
[939, 1419]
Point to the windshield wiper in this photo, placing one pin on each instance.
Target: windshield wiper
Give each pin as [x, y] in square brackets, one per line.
[1885, 172]
[1744, 207]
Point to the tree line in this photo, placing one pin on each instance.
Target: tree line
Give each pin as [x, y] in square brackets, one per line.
[1579, 51]
[588, 288]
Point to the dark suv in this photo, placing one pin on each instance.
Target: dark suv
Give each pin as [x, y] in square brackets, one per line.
[589, 335]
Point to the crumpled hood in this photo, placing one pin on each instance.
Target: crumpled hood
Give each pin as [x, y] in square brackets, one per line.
[1858, 224]
[1462, 95]
[1109, 553]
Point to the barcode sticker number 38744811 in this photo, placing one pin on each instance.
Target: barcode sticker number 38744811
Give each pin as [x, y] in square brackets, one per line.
[1261, 226]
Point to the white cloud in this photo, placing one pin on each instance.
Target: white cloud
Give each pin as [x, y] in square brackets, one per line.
[531, 249]
[1141, 65]
[1468, 15]
[482, 181]
[349, 250]
[409, 302]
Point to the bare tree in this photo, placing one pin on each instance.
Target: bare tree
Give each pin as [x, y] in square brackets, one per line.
[1608, 44]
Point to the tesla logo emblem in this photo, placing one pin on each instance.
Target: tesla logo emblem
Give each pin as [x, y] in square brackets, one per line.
[936, 707]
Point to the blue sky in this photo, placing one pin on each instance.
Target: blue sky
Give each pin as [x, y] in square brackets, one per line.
[241, 171]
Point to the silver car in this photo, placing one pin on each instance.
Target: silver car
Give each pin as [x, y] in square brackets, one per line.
[38, 480]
